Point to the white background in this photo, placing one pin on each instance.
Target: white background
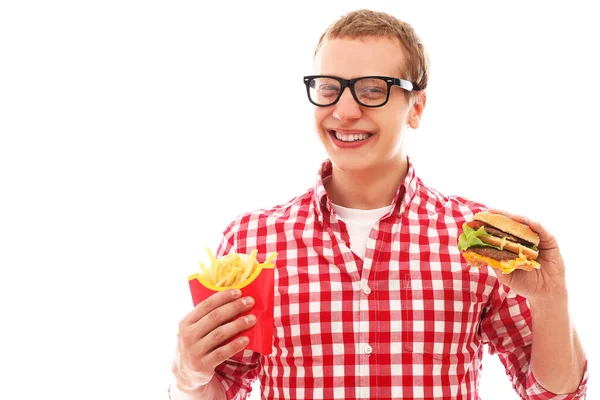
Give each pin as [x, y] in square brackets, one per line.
[132, 132]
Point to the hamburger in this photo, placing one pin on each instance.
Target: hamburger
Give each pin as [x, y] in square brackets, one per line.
[499, 242]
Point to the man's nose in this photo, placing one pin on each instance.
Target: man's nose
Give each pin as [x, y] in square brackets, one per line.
[347, 108]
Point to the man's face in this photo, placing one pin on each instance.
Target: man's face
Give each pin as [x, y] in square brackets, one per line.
[341, 126]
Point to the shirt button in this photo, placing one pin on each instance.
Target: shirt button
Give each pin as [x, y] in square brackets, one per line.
[367, 290]
[368, 349]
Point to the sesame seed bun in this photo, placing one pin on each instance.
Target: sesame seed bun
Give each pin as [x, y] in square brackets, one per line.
[508, 225]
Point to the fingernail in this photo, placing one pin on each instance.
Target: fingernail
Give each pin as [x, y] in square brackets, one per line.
[235, 292]
[250, 319]
[243, 340]
[247, 301]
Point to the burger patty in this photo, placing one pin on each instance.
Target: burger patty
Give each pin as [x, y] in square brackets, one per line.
[493, 253]
[497, 232]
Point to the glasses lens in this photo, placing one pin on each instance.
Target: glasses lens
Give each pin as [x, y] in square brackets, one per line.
[371, 91]
[323, 91]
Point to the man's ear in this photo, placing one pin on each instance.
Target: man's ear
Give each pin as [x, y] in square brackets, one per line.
[417, 106]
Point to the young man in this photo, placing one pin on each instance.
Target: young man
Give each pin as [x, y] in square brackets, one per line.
[372, 298]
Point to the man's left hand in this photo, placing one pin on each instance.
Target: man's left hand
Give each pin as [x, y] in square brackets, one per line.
[545, 282]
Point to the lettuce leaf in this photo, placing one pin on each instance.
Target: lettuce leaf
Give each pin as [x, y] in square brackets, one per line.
[470, 238]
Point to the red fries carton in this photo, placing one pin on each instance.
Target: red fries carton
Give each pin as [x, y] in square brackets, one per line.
[244, 272]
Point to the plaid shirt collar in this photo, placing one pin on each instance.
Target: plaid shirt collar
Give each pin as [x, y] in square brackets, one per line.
[404, 195]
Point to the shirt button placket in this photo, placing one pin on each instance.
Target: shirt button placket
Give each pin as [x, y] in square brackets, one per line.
[365, 349]
[365, 327]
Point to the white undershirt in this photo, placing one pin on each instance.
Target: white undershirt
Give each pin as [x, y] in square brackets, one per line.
[359, 224]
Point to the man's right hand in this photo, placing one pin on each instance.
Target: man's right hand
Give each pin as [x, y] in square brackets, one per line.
[203, 336]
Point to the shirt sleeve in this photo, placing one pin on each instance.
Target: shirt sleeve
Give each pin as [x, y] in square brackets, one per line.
[506, 328]
[237, 373]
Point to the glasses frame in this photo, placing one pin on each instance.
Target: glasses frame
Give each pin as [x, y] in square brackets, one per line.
[349, 83]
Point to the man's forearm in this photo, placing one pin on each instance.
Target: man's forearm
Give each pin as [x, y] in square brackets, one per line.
[213, 390]
[557, 358]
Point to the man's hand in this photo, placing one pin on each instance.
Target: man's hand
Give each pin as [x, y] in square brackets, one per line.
[202, 336]
[541, 283]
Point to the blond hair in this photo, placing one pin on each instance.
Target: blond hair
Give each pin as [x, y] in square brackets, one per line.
[365, 23]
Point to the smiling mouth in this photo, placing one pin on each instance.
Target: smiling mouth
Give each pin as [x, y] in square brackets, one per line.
[350, 138]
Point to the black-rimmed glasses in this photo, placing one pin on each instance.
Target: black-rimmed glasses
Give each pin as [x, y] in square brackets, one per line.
[368, 91]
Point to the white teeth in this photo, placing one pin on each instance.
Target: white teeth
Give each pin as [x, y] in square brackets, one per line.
[352, 137]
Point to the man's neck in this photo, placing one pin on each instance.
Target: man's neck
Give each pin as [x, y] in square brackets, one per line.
[366, 190]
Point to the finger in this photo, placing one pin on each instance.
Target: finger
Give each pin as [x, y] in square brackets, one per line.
[225, 352]
[220, 316]
[211, 303]
[218, 351]
[218, 339]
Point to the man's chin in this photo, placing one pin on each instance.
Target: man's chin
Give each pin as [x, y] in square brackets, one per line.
[352, 164]
[370, 163]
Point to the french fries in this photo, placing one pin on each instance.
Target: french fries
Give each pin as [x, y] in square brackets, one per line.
[232, 269]
[254, 279]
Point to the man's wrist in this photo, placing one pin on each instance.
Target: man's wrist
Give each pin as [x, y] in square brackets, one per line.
[549, 302]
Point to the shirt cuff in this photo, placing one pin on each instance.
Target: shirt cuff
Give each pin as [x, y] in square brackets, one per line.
[535, 391]
[176, 394]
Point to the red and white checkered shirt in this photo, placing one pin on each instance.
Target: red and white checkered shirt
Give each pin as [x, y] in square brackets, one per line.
[407, 322]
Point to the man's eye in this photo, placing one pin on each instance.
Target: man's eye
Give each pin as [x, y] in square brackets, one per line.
[328, 90]
[372, 92]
